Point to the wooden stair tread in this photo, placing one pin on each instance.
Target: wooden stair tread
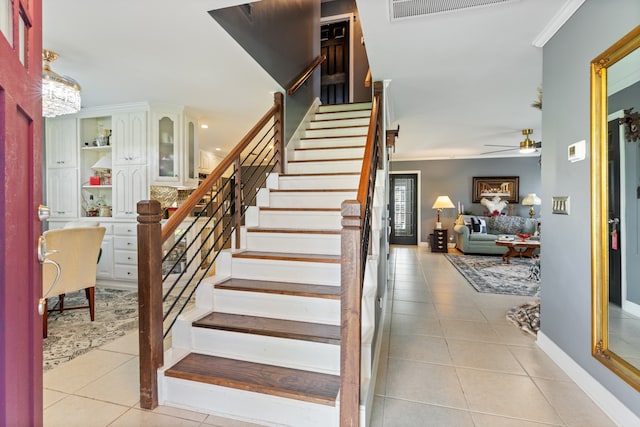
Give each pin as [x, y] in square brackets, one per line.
[306, 331]
[326, 160]
[281, 288]
[292, 230]
[256, 377]
[312, 190]
[301, 209]
[346, 147]
[297, 175]
[332, 136]
[285, 256]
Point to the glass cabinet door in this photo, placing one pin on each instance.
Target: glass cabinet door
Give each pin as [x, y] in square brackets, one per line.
[167, 169]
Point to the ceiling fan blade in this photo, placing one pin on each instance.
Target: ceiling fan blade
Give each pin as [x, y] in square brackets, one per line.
[495, 145]
[500, 151]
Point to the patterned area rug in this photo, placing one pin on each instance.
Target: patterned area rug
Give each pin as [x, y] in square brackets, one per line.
[489, 274]
[72, 333]
[526, 317]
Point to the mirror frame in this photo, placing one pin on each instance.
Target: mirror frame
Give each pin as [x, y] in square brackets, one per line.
[599, 210]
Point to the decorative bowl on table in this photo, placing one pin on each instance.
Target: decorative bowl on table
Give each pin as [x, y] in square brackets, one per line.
[523, 237]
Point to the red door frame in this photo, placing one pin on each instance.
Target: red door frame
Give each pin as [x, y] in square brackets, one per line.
[20, 195]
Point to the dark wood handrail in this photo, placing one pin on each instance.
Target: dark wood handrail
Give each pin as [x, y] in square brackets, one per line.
[306, 74]
[188, 205]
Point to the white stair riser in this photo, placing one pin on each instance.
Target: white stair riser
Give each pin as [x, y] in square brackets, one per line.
[295, 243]
[335, 166]
[342, 114]
[290, 353]
[321, 154]
[287, 307]
[344, 107]
[346, 141]
[311, 182]
[321, 133]
[309, 200]
[355, 121]
[300, 219]
[314, 273]
[234, 403]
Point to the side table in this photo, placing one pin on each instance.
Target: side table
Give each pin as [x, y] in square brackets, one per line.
[439, 240]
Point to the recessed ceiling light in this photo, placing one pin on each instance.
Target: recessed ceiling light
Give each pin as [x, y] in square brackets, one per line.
[218, 149]
[204, 126]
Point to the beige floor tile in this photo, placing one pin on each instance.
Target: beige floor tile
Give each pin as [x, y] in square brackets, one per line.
[127, 344]
[377, 412]
[420, 348]
[381, 375]
[466, 330]
[495, 314]
[575, 408]
[399, 413]
[508, 333]
[402, 324]
[458, 312]
[478, 355]
[537, 363]
[416, 295]
[419, 309]
[135, 417]
[179, 413]
[508, 395]
[213, 420]
[121, 386]
[49, 397]
[485, 420]
[83, 370]
[449, 296]
[81, 412]
[425, 383]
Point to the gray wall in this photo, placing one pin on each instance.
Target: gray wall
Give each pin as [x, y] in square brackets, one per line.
[267, 35]
[566, 278]
[360, 61]
[454, 178]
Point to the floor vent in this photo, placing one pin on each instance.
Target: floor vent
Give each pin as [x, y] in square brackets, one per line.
[401, 9]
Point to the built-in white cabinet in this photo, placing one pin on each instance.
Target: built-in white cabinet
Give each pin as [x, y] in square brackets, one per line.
[132, 186]
[129, 138]
[105, 265]
[61, 142]
[173, 147]
[62, 192]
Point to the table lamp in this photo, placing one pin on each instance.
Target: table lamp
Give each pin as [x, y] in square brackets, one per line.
[442, 202]
[531, 200]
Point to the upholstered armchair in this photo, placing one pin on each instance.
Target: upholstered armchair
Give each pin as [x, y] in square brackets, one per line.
[70, 265]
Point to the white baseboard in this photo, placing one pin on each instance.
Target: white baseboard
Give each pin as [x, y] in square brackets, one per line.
[610, 405]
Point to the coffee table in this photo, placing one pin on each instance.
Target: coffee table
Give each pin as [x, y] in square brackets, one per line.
[518, 248]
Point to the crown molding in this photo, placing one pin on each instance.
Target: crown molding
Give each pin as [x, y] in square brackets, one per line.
[557, 22]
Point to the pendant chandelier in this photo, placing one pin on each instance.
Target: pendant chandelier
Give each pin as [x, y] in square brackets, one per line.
[60, 95]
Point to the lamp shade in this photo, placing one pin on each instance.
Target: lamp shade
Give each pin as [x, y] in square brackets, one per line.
[103, 163]
[443, 202]
[531, 200]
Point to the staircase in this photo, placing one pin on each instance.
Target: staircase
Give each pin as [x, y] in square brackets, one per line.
[263, 343]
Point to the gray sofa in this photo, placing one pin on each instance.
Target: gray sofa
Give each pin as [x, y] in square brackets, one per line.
[470, 242]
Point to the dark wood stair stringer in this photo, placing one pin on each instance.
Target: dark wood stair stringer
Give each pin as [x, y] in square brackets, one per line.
[289, 383]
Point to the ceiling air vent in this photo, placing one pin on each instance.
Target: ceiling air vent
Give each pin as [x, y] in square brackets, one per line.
[401, 9]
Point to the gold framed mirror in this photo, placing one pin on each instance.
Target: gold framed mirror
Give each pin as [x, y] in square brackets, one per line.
[615, 207]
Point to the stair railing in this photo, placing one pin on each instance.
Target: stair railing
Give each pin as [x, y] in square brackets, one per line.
[174, 258]
[308, 72]
[355, 248]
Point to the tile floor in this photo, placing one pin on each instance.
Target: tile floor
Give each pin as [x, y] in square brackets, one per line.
[449, 358]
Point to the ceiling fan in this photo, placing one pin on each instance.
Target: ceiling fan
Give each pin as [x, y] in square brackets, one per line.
[527, 146]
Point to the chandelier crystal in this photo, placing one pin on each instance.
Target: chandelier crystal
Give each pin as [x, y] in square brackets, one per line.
[60, 95]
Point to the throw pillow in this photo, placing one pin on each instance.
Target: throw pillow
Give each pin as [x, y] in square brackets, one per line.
[475, 224]
[483, 226]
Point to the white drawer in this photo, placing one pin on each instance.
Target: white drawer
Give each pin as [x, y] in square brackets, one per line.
[128, 243]
[126, 257]
[125, 229]
[128, 272]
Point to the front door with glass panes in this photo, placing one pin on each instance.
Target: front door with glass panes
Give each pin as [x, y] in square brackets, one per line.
[403, 209]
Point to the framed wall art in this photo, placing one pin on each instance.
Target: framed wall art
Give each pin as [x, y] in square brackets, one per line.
[505, 187]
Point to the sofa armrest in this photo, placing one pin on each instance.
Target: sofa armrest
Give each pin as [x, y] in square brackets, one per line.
[462, 230]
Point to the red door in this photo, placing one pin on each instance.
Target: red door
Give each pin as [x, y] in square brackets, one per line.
[20, 195]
